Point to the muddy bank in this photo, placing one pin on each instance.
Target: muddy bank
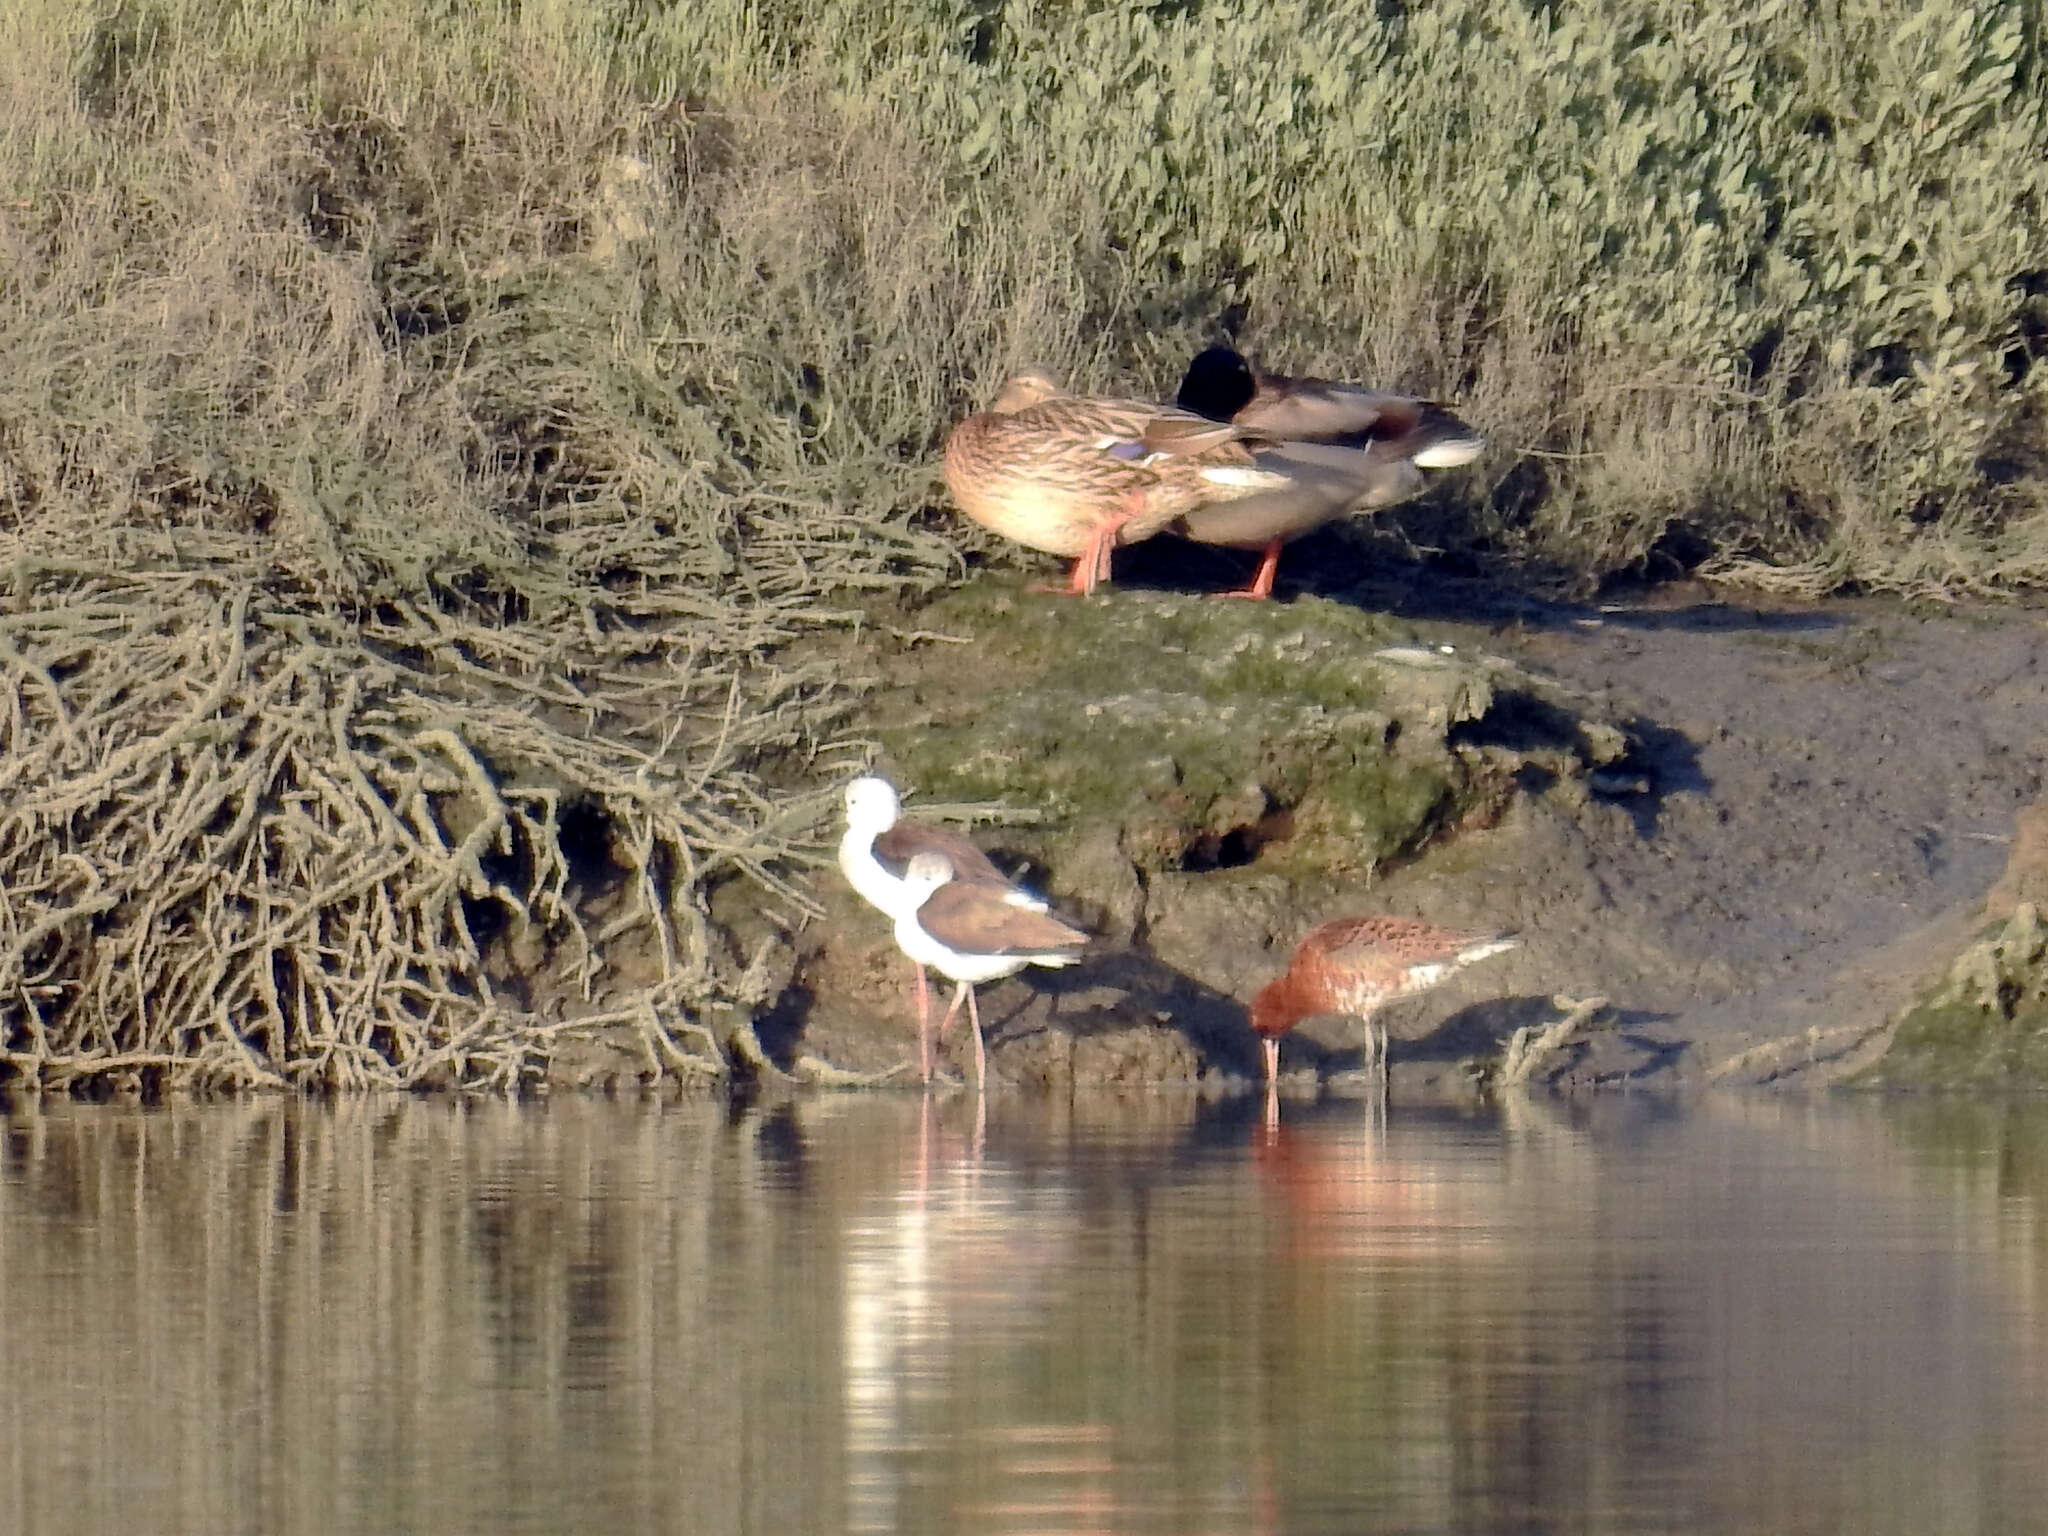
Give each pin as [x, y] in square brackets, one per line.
[1983, 1022]
[1754, 829]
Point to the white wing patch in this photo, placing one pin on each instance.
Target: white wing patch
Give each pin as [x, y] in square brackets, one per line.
[1245, 476]
[1449, 455]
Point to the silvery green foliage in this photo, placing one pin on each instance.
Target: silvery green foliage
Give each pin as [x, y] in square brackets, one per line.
[1774, 270]
[1834, 211]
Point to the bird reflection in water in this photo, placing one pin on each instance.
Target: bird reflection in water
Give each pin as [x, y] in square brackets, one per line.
[958, 1307]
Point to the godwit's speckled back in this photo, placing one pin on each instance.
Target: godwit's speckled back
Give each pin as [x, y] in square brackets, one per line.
[1356, 964]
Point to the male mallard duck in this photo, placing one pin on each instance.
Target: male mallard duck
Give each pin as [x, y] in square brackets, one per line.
[1378, 442]
[1221, 385]
[1076, 476]
[967, 931]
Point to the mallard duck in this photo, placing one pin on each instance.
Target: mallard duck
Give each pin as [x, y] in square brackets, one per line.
[967, 931]
[1355, 965]
[1222, 386]
[1076, 476]
[1375, 441]
[875, 851]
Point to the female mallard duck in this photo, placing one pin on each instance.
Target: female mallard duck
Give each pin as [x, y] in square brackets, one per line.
[1077, 476]
[1376, 441]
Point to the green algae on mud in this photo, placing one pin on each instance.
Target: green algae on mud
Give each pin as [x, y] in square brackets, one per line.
[1186, 722]
[1196, 779]
[1985, 1024]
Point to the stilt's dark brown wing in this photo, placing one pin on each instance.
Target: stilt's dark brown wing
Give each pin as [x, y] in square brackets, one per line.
[975, 920]
[904, 841]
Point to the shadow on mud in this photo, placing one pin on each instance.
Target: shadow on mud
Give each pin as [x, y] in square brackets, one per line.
[1334, 565]
[1625, 1046]
[1108, 996]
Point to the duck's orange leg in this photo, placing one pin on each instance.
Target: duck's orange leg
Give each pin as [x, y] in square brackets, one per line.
[1262, 583]
[1092, 568]
[1089, 568]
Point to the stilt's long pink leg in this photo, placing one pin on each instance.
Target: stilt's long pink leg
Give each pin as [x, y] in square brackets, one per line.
[954, 1007]
[980, 1054]
[924, 1027]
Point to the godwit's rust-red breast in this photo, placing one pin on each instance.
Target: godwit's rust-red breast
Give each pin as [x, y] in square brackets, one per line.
[1357, 965]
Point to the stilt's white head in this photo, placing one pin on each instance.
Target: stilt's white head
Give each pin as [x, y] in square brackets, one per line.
[925, 873]
[872, 804]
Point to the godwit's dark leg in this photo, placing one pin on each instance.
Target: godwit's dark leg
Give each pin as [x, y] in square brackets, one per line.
[1386, 1081]
[1262, 583]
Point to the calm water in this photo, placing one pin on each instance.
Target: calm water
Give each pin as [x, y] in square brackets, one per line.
[873, 1315]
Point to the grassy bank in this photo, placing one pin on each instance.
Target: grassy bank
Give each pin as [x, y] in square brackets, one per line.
[421, 426]
[1762, 282]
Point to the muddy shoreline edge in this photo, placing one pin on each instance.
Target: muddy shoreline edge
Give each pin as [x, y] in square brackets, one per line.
[1781, 844]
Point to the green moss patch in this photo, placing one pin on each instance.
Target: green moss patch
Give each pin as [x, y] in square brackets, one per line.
[1986, 1024]
[1198, 726]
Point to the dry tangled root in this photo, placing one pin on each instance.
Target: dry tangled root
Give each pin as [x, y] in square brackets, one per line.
[246, 843]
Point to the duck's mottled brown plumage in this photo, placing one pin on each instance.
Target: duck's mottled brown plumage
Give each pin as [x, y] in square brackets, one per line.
[1073, 476]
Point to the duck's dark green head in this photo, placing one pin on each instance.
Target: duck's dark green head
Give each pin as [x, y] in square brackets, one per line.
[1218, 384]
